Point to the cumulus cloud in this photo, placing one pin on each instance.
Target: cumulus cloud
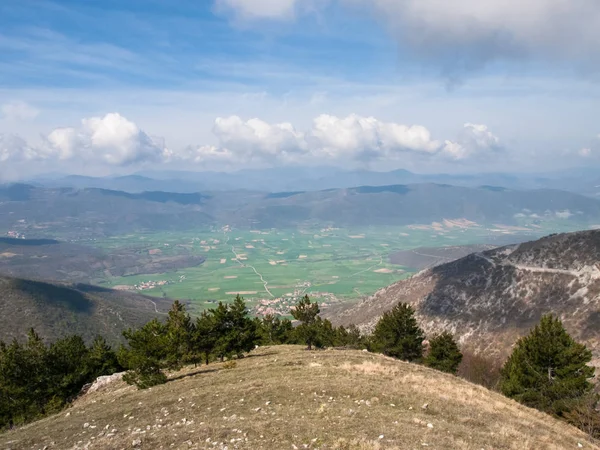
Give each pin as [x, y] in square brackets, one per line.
[349, 140]
[366, 137]
[111, 139]
[256, 139]
[473, 141]
[13, 148]
[18, 110]
[463, 35]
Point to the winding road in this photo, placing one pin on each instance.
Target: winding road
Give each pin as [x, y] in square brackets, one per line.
[265, 282]
[574, 273]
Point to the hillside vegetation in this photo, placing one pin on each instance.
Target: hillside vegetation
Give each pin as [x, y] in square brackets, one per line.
[57, 310]
[49, 259]
[285, 397]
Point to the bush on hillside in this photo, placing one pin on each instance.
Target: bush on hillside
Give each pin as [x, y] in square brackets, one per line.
[480, 369]
[350, 337]
[443, 354]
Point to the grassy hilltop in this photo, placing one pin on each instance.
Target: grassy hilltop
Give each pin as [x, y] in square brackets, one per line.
[287, 398]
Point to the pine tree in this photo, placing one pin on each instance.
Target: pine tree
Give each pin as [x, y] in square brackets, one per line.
[274, 331]
[397, 334]
[179, 329]
[306, 313]
[36, 370]
[15, 407]
[547, 369]
[223, 324]
[243, 334]
[67, 368]
[204, 337]
[444, 354]
[326, 335]
[146, 355]
[102, 359]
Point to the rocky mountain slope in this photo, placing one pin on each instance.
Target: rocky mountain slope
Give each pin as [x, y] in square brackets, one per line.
[489, 299]
[288, 398]
[57, 310]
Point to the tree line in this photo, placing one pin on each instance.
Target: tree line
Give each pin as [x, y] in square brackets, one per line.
[547, 370]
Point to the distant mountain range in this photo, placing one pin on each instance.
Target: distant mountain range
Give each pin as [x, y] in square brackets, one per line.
[584, 181]
[489, 299]
[92, 212]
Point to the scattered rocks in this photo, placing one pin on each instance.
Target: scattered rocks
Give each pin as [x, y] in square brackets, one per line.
[425, 406]
[136, 443]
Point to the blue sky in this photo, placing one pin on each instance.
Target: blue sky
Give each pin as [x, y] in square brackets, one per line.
[110, 86]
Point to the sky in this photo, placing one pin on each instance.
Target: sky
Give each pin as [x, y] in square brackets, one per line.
[118, 86]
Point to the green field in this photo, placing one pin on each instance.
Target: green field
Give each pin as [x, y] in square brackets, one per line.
[275, 267]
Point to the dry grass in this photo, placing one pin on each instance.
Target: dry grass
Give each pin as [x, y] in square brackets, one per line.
[287, 398]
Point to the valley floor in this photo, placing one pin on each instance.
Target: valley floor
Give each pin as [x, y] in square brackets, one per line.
[287, 398]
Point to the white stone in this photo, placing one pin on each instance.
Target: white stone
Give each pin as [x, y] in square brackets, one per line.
[105, 381]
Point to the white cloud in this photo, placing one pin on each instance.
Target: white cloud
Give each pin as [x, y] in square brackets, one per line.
[114, 141]
[333, 139]
[257, 9]
[208, 157]
[474, 140]
[14, 148]
[585, 152]
[259, 140]
[563, 214]
[366, 137]
[18, 110]
[111, 139]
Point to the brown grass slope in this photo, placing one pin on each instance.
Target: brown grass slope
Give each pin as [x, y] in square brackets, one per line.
[489, 299]
[56, 310]
[287, 398]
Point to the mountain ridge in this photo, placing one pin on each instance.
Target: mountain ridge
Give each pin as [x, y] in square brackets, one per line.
[490, 299]
[57, 310]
